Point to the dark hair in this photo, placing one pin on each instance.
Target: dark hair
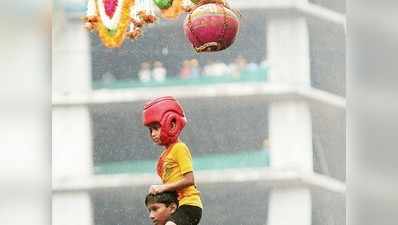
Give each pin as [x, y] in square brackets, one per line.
[166, 198]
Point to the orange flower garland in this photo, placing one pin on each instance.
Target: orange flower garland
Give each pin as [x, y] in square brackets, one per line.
[116, 38]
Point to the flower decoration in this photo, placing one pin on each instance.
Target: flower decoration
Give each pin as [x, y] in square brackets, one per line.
[114, 20]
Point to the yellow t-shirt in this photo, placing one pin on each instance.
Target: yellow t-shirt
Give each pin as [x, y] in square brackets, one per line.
[175, 162]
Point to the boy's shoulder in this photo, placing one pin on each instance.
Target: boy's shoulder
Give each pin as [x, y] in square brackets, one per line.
[180, 145]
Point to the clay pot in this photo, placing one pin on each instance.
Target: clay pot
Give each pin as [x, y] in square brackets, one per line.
[211, 27]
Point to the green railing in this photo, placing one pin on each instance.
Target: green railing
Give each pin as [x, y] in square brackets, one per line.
[259, 75]
[248, 159]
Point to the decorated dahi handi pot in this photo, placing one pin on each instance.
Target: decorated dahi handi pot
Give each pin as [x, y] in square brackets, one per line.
[211, 25]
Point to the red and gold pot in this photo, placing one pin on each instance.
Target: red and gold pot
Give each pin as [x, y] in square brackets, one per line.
[211, 27]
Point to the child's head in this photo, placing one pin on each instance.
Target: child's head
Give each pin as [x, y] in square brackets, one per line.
[165, 118]
[161, 206]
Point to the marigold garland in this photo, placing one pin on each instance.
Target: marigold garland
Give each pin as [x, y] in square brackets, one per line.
[115, 38]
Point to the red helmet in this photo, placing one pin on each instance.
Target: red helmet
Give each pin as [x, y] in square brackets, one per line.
[165, 110]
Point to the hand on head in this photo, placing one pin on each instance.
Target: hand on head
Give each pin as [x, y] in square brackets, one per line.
[157, 188]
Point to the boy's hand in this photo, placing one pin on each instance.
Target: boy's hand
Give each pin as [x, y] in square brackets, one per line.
[155, 189]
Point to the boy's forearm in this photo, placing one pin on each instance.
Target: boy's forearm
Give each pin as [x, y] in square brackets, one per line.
[188, 180]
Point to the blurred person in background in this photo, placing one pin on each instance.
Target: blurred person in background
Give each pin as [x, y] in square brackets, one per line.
[159, 73]
[161, 206]
[165, 119]
[186, 70]
[238, 66]
[220, 68]
[145, 73]
[208, 69]
[195, 69]
[215, 68]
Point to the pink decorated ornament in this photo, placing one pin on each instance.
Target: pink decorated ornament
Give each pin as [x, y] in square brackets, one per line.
[211, 27]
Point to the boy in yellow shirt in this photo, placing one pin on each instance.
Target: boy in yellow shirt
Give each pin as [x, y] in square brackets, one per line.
[165, 119]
